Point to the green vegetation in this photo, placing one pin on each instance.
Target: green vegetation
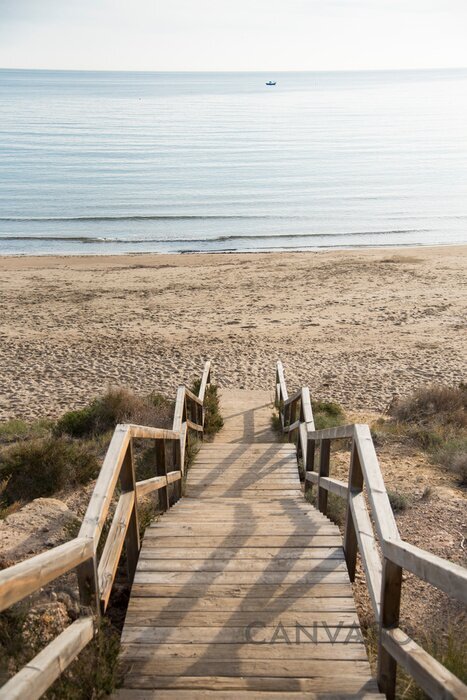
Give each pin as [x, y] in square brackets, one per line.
[399, 501]
[15, 430]
[327, 414]
[94, 673]
[116, 406]
[450, 649]
[38, 459]
[433, 418]
[213, 420]
[37, 468]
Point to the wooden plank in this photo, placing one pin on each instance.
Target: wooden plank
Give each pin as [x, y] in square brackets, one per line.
[369, 552]
[149, 485]
[255, 634]
[354, 684]
[175, 618]
[206, 694]
[179, 411]
[252, 541]
[20, 580]
[194, 426]
[259, 590]
[377, 495]
[196, 399]
[132, 541]
[281, 381]
[162, 529]
[39, 674]
[150, 433]
[334, 486]
[205, 378]
[101, 497]
[213, 554]
[114, 545]
[341, 431]
[350, 534]
[292, 426]
[231, 577]
[306, 409]
[324, 460]
[389, 618]
[275, 603]
[293, 399]
[242, 565]
[445, 575]
[277, 668]
[228, 652]
[161, 470]
[428, 673]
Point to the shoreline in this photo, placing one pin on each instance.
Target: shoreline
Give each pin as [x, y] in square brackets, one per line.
[357, 326]
[277, 251]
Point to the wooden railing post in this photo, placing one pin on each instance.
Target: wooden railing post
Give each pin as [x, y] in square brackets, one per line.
[390, 608]
[128, 483]
[350, 536]
[161, 470]
[88, 585]
[177, 465]
[324, 458]
[310, 462]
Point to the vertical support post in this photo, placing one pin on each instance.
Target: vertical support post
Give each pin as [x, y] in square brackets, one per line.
[310, 462]
[391, 586]
[200, 418]
[161, 470]
[324, 458]
[286, 413]
[177, 465]
[128, 483]
[350, 536]
[89, 586]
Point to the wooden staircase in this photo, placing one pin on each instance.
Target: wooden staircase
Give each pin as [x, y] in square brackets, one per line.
[241, 589]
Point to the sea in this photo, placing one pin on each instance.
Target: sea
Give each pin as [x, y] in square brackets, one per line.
[119, 162]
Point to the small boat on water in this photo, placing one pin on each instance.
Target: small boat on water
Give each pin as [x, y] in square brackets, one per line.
[270, 82]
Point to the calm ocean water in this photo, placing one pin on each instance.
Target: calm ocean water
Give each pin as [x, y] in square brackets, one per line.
[118, 162]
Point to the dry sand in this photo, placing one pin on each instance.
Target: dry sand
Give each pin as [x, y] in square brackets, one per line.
[356, 326]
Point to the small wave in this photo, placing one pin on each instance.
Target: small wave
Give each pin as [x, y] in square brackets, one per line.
[149, 217]
[217, 239]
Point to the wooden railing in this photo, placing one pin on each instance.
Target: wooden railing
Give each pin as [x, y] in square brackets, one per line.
[96, 574]
[383, 571]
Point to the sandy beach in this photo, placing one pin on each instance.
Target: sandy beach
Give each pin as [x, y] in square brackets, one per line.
[357, 326]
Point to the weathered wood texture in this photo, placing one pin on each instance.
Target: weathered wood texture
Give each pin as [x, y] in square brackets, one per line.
[96, 577]
[243, 585]
[384, 580]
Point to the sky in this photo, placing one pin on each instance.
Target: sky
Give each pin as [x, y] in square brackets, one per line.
[233, 35]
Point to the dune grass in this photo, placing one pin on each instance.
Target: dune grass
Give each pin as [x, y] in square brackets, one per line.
[434, 419]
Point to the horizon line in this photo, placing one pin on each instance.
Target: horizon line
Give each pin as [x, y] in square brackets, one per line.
[316, 70]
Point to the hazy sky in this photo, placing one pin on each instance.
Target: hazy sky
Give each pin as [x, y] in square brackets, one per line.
[267, 35]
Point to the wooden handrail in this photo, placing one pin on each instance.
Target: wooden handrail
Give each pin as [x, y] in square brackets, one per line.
[39, 674]
[205, 379]
[383, 574]
[20, 580]
[95, 577]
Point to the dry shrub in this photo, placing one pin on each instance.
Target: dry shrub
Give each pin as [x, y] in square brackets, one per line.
[435, 418]
[435, 405]
[39, 468]
[117, 405]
